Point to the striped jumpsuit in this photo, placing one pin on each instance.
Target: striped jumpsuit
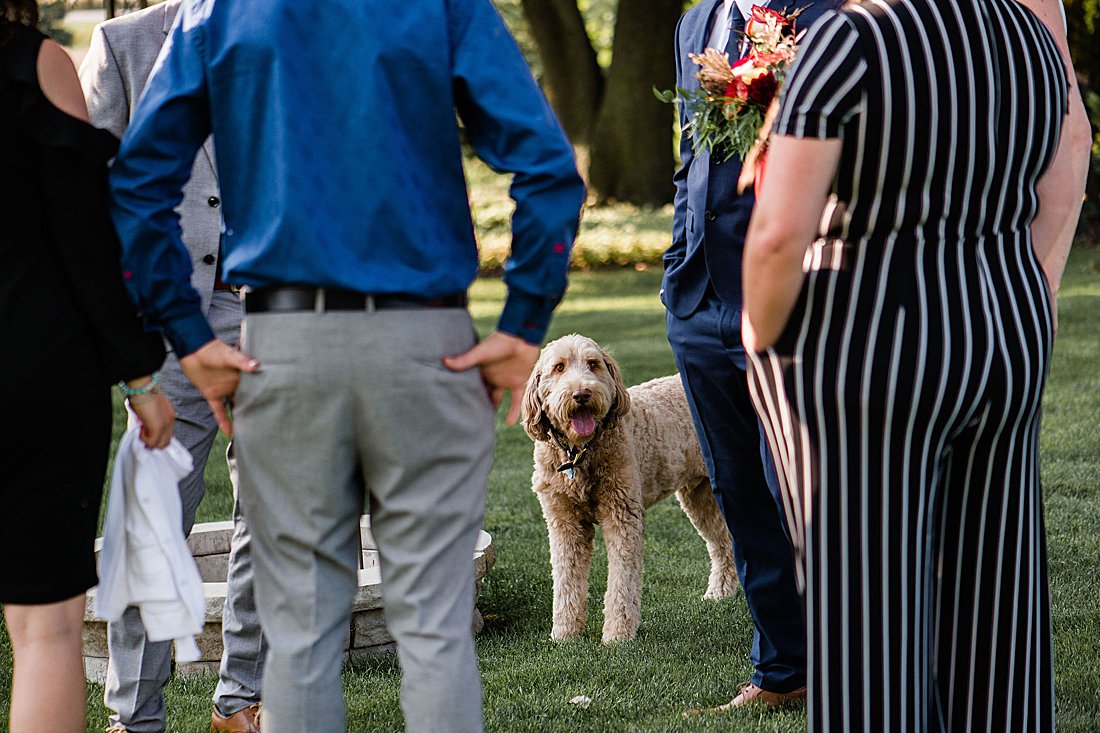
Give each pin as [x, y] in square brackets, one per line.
[902, 400]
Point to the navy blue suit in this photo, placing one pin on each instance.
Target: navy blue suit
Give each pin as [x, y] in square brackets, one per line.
[702, 292]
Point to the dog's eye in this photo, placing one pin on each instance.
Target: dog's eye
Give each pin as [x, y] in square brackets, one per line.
[559, 367]
[594, 364]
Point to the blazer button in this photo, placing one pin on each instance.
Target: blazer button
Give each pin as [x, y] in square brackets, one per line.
[213, 201]
[209, 259]
[710, 215]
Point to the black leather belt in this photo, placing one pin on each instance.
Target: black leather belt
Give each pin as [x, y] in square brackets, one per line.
[291, 298]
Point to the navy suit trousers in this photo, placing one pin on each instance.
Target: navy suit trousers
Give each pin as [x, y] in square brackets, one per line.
[708, 351]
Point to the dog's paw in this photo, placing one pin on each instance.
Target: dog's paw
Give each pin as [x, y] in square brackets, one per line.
[565, 633]
[619, 630]
[618, 637]
[722, 585]
[718, 591]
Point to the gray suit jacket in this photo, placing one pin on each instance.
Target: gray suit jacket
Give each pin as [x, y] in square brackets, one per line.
[113, 75]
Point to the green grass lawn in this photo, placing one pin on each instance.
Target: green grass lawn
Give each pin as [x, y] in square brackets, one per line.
[610, 235]
[691, 652]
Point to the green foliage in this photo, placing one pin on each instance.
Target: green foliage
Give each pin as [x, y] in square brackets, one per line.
[50, 16]
[610, 236]
[1091, 211]
[715, 123]
[1083, 23]
[599, 19]
[512, 13]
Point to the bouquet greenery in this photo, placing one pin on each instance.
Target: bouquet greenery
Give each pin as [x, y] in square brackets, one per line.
[728, 113]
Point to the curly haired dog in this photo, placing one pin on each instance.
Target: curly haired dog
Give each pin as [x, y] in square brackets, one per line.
[603, 455]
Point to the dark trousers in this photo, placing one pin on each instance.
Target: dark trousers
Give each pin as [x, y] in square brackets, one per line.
[708, 351]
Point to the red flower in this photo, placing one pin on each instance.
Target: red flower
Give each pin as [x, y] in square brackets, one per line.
[762, 89]
[752, 83]
[738, 89]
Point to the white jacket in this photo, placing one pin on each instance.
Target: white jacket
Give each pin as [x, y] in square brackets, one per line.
[145, 561]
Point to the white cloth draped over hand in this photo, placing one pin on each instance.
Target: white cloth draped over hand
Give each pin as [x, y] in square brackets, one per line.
[145, 561]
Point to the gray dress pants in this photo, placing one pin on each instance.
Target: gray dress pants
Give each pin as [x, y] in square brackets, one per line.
[138, 669]
[337, 391]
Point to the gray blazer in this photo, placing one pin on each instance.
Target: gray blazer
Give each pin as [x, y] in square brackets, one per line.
[113, 75]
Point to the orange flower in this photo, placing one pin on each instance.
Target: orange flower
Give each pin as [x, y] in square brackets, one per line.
[770, 59]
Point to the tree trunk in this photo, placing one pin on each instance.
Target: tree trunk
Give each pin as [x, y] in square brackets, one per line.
[572, 77]
[632, 156]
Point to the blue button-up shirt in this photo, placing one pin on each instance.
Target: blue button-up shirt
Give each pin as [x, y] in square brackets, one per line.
[339, 155]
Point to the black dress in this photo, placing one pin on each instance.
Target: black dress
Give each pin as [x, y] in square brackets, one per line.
[68, 331]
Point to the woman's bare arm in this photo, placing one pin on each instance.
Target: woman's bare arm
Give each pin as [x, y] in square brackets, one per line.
[59, 82]
[779, 233]
[1061, 189]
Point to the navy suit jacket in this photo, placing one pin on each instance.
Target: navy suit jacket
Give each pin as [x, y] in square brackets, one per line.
[711, 218]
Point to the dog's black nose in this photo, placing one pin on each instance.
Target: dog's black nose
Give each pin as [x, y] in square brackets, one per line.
[581, 396]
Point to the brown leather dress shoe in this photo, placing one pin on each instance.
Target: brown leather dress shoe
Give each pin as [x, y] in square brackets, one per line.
[750, 694]
[242, 721]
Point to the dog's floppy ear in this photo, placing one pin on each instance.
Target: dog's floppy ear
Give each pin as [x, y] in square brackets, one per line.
[621, 405]
[534, 422]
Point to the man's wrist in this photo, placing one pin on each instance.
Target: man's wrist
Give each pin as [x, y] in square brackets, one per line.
[526, 317]
[188, 334]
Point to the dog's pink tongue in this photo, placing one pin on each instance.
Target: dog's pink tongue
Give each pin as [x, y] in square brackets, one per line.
[584, 423]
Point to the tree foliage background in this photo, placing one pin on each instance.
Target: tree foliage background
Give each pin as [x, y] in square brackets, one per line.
[598, 61]
[1083, 20]
[50, 15]
[599, 84]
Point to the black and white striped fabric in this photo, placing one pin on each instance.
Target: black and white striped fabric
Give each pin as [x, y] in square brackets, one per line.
[902, 402]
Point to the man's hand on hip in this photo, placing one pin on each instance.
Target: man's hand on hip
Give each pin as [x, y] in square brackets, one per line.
[215, 369]
[505, 362]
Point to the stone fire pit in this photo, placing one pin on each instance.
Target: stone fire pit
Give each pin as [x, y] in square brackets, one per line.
[209, 543]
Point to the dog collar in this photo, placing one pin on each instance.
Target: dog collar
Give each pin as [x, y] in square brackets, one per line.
[574, 454]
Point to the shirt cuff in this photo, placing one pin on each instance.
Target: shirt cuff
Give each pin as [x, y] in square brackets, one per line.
[527, 316]
[188, 334]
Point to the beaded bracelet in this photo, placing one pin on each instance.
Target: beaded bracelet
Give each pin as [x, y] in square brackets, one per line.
[154, 380]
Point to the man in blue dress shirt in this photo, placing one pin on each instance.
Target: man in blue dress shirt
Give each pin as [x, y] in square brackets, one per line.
[346, 216]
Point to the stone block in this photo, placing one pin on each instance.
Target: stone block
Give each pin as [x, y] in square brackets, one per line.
[371, 652]
[213, 568]
[210, 642]
[366, 636]
[369, 593]
[366, 538]
[89, 605]
[348, 633]
[94, 639]
[210, 538]
[214, 594]
[478, 622]
[198, 669]
[369, 629]
[95, 669]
